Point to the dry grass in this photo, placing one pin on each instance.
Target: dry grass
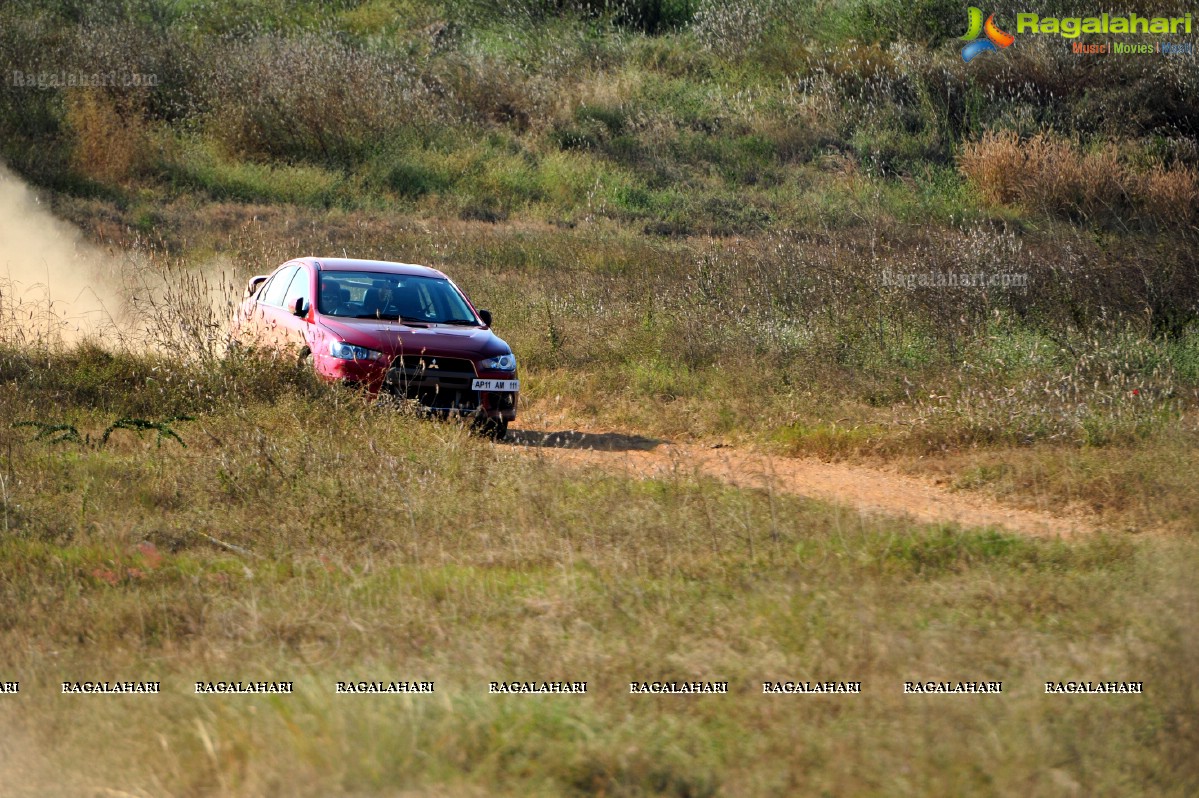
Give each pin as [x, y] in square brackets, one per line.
[674, 338]
[1172, 195]
[292, 532]
[1136, 487]
[564, 575]
[1049, 174]
[259, 543]
[112, 139]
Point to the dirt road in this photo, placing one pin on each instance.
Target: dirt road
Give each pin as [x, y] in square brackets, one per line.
[870, 490]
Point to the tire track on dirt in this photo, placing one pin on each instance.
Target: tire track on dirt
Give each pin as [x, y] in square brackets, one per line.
[872, 491]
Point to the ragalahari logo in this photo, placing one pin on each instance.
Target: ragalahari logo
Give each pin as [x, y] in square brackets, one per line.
[996, 39]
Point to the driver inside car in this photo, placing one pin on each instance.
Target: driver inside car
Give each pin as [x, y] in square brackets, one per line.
[331, 297]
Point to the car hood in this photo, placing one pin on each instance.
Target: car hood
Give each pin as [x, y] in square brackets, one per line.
[395, 338]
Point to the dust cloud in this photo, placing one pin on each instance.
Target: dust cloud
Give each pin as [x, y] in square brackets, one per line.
[55, 287]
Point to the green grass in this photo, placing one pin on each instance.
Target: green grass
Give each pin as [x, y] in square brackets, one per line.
[202, 172]
[346, 100]
[374, 546]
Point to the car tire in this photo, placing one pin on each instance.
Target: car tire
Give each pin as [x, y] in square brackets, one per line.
[495, 429]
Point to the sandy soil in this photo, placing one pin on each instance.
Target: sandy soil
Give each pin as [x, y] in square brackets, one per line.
[869, 490]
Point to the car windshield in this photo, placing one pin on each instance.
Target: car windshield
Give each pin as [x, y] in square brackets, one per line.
[392, 297]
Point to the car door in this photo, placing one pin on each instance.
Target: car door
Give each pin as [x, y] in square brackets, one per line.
[270, 312]
[252, 323]
[293, 329]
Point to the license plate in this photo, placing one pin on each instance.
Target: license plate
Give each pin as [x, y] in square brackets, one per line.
[495, 385]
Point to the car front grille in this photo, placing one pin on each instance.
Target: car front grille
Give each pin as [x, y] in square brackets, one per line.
[438, 383]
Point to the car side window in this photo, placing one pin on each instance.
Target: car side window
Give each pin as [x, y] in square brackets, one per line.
[300, 288]
[275, 290]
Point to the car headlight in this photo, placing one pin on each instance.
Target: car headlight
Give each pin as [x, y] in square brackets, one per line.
[344, 351]
[502, 363]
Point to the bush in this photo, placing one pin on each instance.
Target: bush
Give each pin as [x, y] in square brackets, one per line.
[112, 139]
[647, 16]
[1051, 175]
[414, 180]
[929, 22]
[308, 98]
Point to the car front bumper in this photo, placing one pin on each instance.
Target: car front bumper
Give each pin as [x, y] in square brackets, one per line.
[444, 391]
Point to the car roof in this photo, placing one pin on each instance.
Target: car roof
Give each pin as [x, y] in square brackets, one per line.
[381, 266]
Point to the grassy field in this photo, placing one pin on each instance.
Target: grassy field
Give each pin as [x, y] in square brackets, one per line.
[692, 220]
[358, 544]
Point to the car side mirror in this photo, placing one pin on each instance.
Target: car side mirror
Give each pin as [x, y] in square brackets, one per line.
[253, 283]
[299, 307]
[485, 315]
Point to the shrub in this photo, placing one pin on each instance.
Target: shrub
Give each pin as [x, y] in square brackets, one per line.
[1172, 195]
[309, 98]
[726, 26]
[647, 16]
[112, 141]
[927, 21]
[490, 91]
[1052, 175]
[414, 180]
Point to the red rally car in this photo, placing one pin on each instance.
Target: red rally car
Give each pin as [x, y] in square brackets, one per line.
[391, 328]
